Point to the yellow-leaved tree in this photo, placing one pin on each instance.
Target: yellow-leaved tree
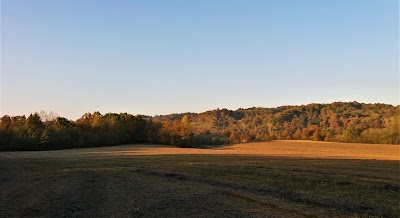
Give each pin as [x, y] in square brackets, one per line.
[388, 135]
[186, 131]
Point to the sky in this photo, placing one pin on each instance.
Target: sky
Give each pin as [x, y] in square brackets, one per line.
[162, 57]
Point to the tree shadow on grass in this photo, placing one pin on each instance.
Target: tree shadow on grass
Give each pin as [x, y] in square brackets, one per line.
[223, 146]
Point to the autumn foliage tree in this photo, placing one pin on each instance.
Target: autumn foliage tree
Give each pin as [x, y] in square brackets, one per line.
[339, 121]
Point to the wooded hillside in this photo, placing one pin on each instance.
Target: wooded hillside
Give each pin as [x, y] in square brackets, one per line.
[341, 122]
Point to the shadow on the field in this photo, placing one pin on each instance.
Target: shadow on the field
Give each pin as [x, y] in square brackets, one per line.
[224, 146]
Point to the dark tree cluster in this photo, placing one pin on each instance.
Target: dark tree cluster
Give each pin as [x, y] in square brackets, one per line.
[91, 130]
[339, 121]
[21, 133]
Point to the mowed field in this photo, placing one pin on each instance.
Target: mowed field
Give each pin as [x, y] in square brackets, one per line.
[269, 179]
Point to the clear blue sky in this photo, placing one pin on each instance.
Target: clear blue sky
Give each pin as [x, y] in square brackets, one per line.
[161, 57]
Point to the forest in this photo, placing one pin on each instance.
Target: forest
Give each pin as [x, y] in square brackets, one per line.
[335, 122]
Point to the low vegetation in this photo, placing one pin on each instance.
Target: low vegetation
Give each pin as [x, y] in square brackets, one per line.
[120, 181]
[339, 122]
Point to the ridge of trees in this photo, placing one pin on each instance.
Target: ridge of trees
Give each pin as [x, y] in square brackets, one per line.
[338, 121]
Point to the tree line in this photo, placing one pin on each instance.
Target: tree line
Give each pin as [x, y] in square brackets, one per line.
[91, 130]
[339, 121]
[335, 122]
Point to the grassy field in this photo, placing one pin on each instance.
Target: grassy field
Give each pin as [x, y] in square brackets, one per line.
[273, 179]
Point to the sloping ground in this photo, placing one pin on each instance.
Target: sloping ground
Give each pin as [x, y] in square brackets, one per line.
[308, 149]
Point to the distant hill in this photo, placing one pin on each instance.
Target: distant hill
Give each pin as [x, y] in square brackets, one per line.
[338, 121]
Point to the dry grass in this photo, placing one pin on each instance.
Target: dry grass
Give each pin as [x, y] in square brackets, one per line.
[273, 179]
[307, 149]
